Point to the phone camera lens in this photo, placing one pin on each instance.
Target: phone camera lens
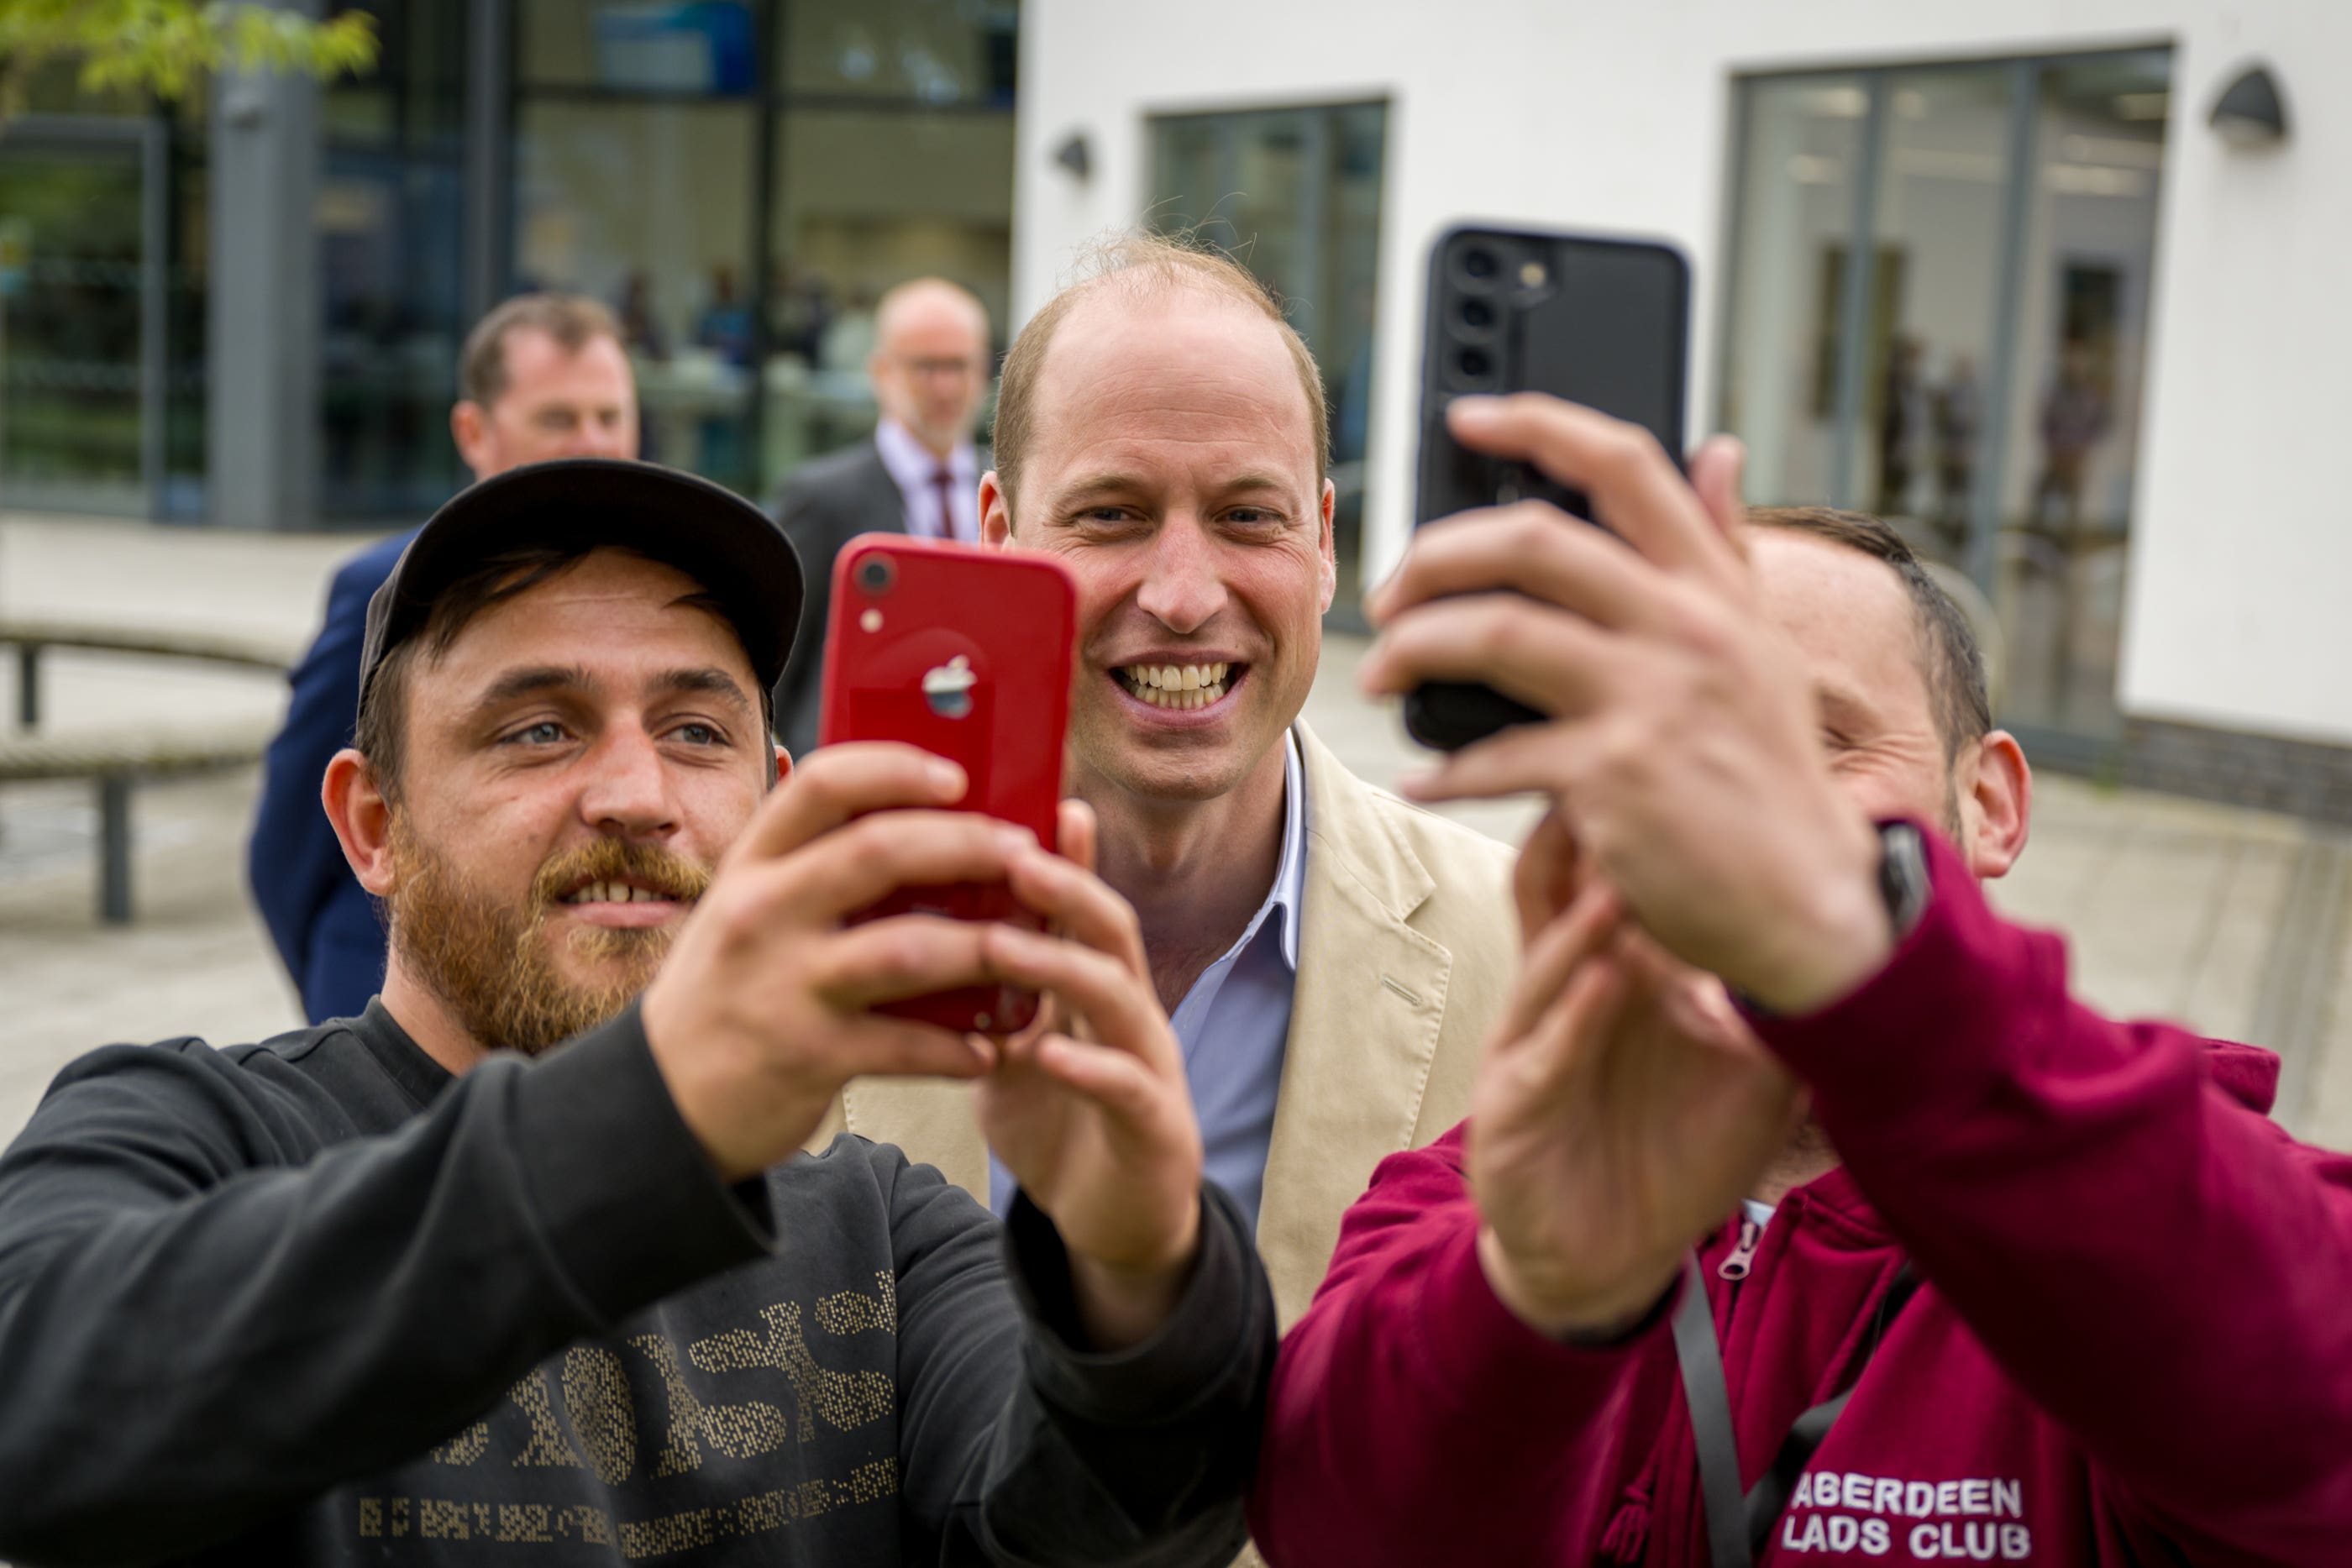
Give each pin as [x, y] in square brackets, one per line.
[1478, 264]
[1477, 314]
[873, 574]
[1475, 363]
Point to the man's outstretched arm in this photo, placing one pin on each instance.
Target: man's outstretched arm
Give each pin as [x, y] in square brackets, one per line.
[2159, 1266]
[206, 1319]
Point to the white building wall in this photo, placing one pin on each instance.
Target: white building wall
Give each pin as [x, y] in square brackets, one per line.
[1615, 117]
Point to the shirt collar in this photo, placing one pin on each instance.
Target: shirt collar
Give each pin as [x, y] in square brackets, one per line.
[911, 463]
[1289, 892]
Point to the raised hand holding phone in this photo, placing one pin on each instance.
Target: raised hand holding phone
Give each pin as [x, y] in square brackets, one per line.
[1602, 322]
[1088, 1108]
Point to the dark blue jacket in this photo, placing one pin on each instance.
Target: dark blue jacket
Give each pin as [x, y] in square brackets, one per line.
[323, 921]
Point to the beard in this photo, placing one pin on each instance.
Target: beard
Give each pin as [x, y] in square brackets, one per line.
[495, 962]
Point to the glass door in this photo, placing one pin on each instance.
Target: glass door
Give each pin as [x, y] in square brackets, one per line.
[1937, 313]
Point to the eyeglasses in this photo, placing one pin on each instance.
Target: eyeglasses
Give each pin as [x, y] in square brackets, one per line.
[923, 370]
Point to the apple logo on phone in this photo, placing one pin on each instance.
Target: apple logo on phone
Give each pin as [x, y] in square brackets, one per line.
[948, 687]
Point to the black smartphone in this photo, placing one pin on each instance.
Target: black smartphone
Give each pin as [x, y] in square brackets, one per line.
[1602, 322]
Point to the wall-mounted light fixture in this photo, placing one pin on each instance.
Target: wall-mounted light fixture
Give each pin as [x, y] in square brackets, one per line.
[2251, 112]
[1076, 155]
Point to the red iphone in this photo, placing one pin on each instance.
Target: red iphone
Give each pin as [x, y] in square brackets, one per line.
[966, 653]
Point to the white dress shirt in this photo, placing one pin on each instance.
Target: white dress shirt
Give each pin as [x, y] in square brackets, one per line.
[914, 468]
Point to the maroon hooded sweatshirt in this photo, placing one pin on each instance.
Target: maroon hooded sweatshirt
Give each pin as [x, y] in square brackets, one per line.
[2132, 1343]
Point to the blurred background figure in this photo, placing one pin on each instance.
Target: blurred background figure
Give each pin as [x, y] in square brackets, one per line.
[725, 326]
[543, 376]
[641, 331]
[1958, 414]
[2074, 421]
[1901, 406]
[918, 474]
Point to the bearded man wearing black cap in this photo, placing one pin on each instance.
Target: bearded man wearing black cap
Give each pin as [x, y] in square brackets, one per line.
[517, 1266]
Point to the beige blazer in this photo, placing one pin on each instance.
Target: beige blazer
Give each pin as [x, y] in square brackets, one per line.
[1406, 946]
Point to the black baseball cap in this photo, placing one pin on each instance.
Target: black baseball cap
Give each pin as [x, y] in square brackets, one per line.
[722, 541]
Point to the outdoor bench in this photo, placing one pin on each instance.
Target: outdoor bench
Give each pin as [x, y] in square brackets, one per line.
[117, 757]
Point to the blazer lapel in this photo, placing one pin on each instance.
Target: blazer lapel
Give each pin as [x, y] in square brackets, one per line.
[1364, 1018]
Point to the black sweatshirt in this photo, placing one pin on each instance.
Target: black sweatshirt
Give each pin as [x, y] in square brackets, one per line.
[317, 1300]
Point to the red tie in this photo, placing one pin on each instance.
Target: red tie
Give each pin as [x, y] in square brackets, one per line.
[943, 481]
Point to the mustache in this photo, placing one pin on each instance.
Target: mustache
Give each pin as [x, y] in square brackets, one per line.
[609, 859]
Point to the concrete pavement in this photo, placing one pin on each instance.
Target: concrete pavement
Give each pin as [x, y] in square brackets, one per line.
[2233, 921]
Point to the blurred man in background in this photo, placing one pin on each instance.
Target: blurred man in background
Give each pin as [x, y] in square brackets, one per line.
[920, 475]
[542, 376]
[1329, 956]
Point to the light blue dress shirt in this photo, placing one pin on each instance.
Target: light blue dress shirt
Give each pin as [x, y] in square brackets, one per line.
[1235, 1023]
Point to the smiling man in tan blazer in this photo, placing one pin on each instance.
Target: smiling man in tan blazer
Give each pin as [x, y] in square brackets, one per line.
[1329, 956]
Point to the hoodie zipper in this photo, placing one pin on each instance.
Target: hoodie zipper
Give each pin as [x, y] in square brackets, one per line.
[1736, 1262]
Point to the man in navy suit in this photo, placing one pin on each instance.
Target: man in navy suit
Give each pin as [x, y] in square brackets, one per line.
[542, 376]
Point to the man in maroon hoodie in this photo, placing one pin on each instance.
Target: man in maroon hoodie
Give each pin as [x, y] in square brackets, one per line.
[2130, 1338]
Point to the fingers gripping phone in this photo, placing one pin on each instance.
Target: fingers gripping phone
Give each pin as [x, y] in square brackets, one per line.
[1602, 322]
[965, 654]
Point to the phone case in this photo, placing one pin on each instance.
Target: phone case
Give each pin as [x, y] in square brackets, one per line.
[966, 653]
[1601, 321]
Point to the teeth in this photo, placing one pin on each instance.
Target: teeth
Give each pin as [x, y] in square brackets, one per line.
[1174, 679]
[1180, 697]
[614, 893]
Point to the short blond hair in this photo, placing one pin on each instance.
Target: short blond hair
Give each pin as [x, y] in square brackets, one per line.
[1142, 264]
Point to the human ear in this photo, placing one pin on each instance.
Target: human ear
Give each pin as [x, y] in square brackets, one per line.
[995, 512]
[362, 818]
[1998, 807]
[1327, 547]
[469, 428]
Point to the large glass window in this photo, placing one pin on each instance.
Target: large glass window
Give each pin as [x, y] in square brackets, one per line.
[868, 198]
[1295, 195]
[1939, 314]
[1796, 199]
[70, 285]
[744, 205]
[643, 206]
[102, 302]
[922, 51]
[391, 227]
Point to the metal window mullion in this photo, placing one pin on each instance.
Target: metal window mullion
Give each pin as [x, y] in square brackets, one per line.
[2009, 306]
[767, 89]
[489, 186]
[155, 305]
[1861, 281]
[1734, 249]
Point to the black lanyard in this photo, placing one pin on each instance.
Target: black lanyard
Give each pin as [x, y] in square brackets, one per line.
[1737, 1526]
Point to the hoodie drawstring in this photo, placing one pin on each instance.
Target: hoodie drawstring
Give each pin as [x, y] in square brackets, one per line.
[1629, 1527]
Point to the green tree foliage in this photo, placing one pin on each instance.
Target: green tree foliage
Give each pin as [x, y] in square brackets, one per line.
[163, 46]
